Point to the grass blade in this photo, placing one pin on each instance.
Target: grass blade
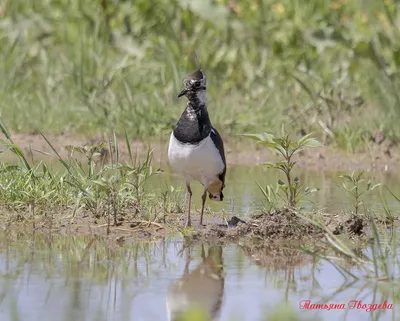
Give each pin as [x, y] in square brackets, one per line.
[128, 145]
[58, 155]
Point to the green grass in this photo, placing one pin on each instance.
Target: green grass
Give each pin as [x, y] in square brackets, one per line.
[108, 66]
[104, 189]
[100, 185]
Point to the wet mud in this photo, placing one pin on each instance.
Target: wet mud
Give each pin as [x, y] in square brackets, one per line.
[257, 231]
[285, 224]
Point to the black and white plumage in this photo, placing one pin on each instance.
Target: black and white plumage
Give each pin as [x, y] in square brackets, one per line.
[201, 288]
[196, 150]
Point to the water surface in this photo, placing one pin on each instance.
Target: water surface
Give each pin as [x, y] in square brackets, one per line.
[83, 278]
[243, 195]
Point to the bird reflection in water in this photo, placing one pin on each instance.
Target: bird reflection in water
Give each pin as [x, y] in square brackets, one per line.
[202, 289]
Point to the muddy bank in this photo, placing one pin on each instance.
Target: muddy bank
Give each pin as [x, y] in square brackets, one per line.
[286, 225]
[274, 240]
[259, 230]
[63, 222]
[382, 156]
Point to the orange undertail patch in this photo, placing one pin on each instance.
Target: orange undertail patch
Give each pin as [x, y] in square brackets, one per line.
[215, 191]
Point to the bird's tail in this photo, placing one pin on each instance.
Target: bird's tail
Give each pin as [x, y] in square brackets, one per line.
[215, 191]
[216, 197]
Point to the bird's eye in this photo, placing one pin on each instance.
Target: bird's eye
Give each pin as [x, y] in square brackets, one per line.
[197, 84]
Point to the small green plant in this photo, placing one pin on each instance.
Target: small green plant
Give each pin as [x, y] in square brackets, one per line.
[286, 148]
[170, 201]
[115, 185]
[356, 187]
[90, 152]
[107, 188]
[380, 263]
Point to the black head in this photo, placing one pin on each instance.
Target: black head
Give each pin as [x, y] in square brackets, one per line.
[193, 84]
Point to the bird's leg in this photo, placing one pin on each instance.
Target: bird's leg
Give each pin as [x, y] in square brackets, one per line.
[203, 202]
[189, 190]
[188, 259]
[203, 253]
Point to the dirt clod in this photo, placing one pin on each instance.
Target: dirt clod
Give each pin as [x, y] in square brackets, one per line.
[260, 229]
[275, 225]
[284, 224]
[354, 225]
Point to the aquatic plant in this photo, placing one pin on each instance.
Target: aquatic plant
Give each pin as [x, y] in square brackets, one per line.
[379, 262]
[293, 190]
[357, 189]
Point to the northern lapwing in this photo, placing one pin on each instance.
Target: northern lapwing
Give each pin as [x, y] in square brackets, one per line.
[196, 150]
[201, 288]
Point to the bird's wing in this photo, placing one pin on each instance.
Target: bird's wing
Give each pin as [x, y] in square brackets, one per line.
[217, 140]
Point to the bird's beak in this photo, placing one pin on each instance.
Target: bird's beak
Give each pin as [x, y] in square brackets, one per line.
[182, 93]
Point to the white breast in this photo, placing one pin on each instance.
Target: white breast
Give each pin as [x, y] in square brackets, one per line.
[201, 162]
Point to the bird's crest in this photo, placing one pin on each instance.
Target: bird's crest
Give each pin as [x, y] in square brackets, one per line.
[195, 60]
[198, 74]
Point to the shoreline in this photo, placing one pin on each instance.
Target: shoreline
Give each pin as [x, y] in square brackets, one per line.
[260, 229]
[380, 157]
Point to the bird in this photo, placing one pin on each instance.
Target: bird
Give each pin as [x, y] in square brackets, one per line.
[196, 149]
[202, 288]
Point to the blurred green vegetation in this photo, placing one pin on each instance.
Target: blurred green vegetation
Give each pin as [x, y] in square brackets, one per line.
[98, 66]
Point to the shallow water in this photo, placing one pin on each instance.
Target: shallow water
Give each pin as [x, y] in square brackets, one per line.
[243, 196]
[82, 278]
